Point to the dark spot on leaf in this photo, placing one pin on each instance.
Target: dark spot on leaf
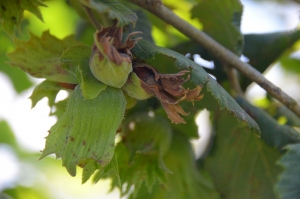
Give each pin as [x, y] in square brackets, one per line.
[3, 8]
[83, 142]
[100, 162]
[72, 138]
[14, 20]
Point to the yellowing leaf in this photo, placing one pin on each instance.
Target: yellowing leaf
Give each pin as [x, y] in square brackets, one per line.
[87, 129]
[40, 57]
[11, 13]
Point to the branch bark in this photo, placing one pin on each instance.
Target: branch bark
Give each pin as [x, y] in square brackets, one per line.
[227, 57]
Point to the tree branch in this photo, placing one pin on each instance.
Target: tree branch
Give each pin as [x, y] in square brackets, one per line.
[220, 52]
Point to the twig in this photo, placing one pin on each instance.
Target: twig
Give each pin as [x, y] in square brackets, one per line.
[220, 52]
[92, 18]
[233, 80]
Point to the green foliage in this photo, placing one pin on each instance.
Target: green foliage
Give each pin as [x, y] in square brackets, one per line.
[45, 89]
[76, 60]
[227, 14]
[11, 13]
[44, 62]
[105, 127]
[241, 164]
[115, 10]
[271, 132]
[87, 129]
[288, 184]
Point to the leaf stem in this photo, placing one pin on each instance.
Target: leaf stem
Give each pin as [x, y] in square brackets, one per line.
[92, 17]
[234, 81]
[227, 57]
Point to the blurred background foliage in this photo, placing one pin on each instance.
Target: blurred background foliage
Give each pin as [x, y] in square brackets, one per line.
[32, 179]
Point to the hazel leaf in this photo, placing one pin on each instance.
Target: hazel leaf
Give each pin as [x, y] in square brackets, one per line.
[115, 10]
[45, 89]
[227, 14]
[248, 165]
[76, 60]
[145, 141]
[39, 57]
[87, 129]
[147, 51]
[288, 184]
[185, 181]
[11, 13]
[92, 166]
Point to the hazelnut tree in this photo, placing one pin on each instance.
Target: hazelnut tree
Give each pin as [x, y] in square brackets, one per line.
[124, 86]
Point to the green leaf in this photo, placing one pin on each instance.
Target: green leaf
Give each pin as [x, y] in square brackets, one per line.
[115, 10]
[241, 164]
[11, 13]
[292, 118]
[147, 140]
[214, 93]
[185, 181]
[7, 135]
[142, 133]
[142, 24]
[190, 129]
[221, 20]
[272, 133]
[264, 49]
[45, 89]
[76, 60]
[289, 181]
[59, 108]
[91, 166]
[40, 57]
[18, 78]
[87, 129]
[146, 51]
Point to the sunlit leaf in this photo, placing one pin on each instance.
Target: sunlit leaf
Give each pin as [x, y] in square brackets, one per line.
[59, 108]
[7, 135]
[92, 166]
[19, 79]
[40, 57]
[115, 10]
[240, 163]
[45, 89]
[11, 13]
[76, 60]
[289, 181]
[87, 129]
